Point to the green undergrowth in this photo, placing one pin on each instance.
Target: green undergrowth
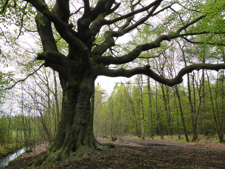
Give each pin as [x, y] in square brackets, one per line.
[8, 149]
[210, 138]
[220, 142]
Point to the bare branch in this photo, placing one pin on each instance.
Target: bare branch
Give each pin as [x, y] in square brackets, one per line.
[163, 9]
[22, 80]
[76, 11]
[217, 44]
[132, 13]
[141, 21]
[22, 19]
[188, 8]
[189, 24]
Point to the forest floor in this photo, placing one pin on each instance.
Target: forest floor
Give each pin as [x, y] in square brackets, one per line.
[135, 153]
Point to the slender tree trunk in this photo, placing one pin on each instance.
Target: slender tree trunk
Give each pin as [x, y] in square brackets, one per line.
[203, 99]
[150, 108]
[175, 107]
[157, 111]
[139, 117]
[222, 112]
[181, 113]
[135, 119]
[142, 108]
[192, 106]
[112, 126]
[213, 107]
[194, 114]
[56, 101]
[166, 104]
[218, 112]
[24, 129]
[47, 116]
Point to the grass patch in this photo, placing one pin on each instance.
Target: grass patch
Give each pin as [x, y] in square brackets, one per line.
[220, 142]
[181, 139]
[157, 137]
[5, 150]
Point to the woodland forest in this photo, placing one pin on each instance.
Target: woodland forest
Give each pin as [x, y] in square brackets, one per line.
[52, 52]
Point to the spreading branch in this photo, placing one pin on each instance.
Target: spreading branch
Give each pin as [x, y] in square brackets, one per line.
[146, 70]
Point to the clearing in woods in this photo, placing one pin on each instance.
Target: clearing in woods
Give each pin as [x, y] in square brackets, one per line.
[130, 154]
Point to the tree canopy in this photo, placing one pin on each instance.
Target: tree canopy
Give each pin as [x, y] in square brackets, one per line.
[91, 30]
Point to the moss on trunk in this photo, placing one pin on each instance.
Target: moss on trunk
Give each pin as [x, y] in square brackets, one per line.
[75, 136]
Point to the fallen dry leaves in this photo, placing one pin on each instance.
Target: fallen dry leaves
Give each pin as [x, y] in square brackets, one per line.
[131, 155]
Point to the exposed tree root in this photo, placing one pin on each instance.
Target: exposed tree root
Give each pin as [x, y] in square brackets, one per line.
[52, 156]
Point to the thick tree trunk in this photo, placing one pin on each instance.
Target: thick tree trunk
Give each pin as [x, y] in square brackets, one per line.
[75, 132]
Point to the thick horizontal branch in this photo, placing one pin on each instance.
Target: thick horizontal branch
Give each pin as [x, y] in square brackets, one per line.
[55, 60]
[147, 71]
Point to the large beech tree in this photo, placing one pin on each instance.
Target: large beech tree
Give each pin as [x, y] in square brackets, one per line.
[81, 23]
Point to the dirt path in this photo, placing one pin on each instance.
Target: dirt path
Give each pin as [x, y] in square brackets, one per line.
[165, 143]
[136, 154]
